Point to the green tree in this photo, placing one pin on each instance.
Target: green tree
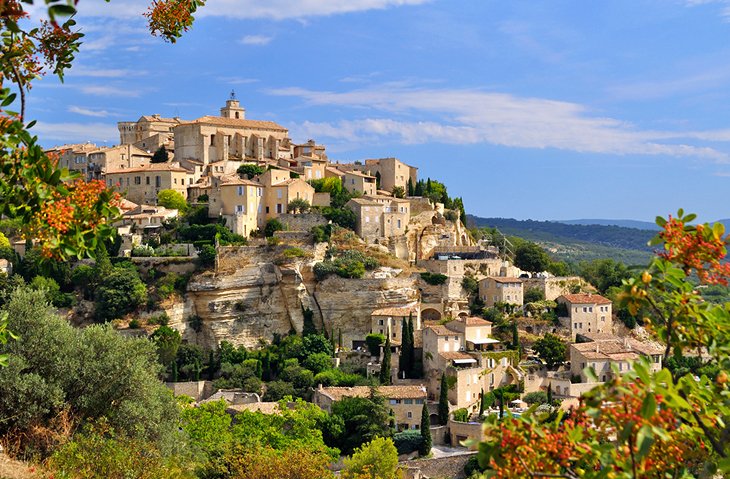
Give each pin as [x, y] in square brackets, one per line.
[537, 397]
[358, 420]
[119, 293]
[604, 273]
[272, 226]
[443, 407]
[532, 295]
[308, 325]
[373, 342]
[531, 257]
[173, 200]
[425, 431]
[385, 365]
[298, 205]
[94, 372]
[551, 349]
[404, 368]
[250, 170]
[398, 192]
[318, 362]
[161, 155]
[376, 460]
[411, 188]
[167, 341]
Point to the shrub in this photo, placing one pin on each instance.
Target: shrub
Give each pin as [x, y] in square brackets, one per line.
[135, 324]
[533, 295]
[537, 397]
[434, 278]
[250, 170]
[203, 198]
[461, 415]
[290, 254]
[343, 217]
[161, 319]
[298, 205]
[272, 226]
[173, 200]
[337, 377]
[324, 269]
[320, 233]
[207, 255]
[407, 441]
[143, 251]
[373, 342]
[121, 292]
[451, 215]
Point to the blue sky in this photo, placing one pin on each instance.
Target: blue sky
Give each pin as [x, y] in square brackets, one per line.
[527, 108]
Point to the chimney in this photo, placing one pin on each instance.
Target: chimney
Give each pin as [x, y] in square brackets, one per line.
[597, 347]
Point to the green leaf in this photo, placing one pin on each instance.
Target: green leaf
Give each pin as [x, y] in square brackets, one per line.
[690, 217]
[660, 221]
[648, 407]
[644, 441]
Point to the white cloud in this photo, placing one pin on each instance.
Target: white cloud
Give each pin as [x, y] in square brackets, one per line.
[724, 4]
[108, 90]
[247, 9]
[475, 116]
[88, 111]
[256, 40]
[82, 71]
[49, 133]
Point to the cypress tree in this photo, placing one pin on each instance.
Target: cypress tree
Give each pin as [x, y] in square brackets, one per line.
[377, 180]
[411, 353]
[174, 372]
[501, 401]
[266, 366]
[259, 369]
[481, 403]
[308, 327]
[515, 336]
[403, 366]
[211, 365]
[385, 365]
[339, 338]
[418, 191]
[550, 394]
[425, 432]
[443, 408]
[411, 189]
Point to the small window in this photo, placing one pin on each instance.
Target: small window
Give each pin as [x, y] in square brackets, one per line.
[410, 414]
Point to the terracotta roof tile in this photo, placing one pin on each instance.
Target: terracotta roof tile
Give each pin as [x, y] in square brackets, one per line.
[586, 298]
[396, 311]
[474, 321]
[237, 122]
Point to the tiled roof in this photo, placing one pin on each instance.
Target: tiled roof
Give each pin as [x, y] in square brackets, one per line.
[160, 119]
[586, 298]
[237, 180]
[474, 321]
[396, 311]
[335, 171]
[440, 330]
[504, 280]
[263, 407]
[454, 355]
[617, 348]
[365, 202]
[237, 122]
[389, 392]
[359, 173]
[151, 167]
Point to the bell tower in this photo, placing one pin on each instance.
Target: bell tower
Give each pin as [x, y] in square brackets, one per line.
[233, 108]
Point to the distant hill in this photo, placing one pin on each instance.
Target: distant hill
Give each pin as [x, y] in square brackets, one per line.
[575, 243]
[639, 225]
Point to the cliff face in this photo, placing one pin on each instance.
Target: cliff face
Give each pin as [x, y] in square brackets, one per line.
[252, 298]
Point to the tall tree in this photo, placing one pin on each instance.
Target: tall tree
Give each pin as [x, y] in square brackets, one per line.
[385, 365]
[551, 349]
[411, 189]
[404, 369]
[481, 402]
[531, 257]
[425, 432]
[412, 373]
[443, 408]
[160, 156]
[515, 336]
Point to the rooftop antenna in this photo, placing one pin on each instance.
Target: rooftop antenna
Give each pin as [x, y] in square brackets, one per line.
[233, 95]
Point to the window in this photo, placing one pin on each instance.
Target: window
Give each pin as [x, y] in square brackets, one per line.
[408, 401]
[590, 309]
[468, 395]
[352, 181]
[212, 140]
[158, 181]
[367, 219]
[278, 208]
[380, 322]
[137, 180]
[259, 192]
[419, 401]
[240, 209]
[410, 414]
[267, 210]
[398, 223]
[278, 193]
[240, 190]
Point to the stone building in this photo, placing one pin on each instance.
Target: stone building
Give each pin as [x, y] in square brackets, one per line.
[391, 319]
[230, 136]
[116, 158]
[73, 157]
[368, 217]
[604, 351]
[357, 182]
[587, 313]
[238, 201]
[405, 401]
[280, 189]
[464, 350]
[393, 172]
[497, 289]
[141, 185]
[554, 286]
[149, 132]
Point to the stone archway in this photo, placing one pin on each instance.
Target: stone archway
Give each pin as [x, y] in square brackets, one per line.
[430, 314]
[434, 420]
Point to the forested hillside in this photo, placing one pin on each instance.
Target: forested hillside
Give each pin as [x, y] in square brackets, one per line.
[574, 243]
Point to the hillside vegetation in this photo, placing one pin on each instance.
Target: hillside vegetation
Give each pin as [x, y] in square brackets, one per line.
[575, 243]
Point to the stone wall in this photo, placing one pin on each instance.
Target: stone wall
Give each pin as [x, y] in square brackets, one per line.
[198, 390]
[553, 287]
[174, 264]
[461, 431]
[302, 222]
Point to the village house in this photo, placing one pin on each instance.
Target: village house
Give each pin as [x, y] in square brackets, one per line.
[405, 401]
[602, 351]
[392, 172]
[149, 132]
[141, 185]
[104, 160]
[144, 218]
[383, 320]
[238, 201]
[73, 157]
[553, 286]
[496, 289]
[368, 217]
[357, 182]
[587, 313]
[464, 350]
[280, 189]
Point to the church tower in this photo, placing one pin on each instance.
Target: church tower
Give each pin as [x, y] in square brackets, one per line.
[233, 108]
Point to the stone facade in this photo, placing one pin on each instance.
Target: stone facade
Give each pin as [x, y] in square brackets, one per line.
[141, 185]
[495, 290]
[587, 313]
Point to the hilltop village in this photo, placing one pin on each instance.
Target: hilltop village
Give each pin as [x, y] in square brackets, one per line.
[275, 272]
